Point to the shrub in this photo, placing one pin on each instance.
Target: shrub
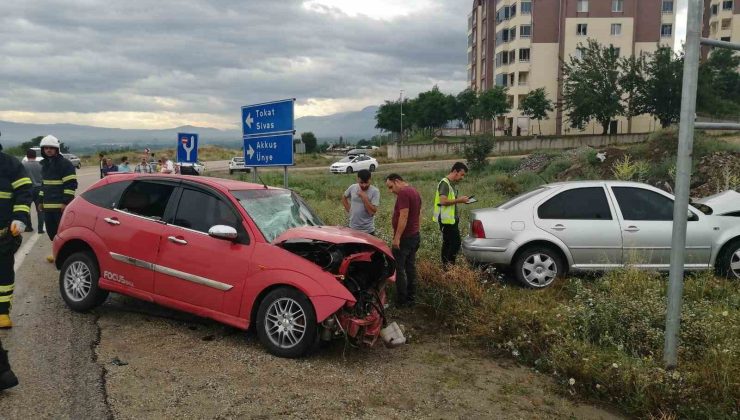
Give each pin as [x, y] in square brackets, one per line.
[529, 180]
[506, 186]
[476, 153]
[629, 170]
[505, 165]
[555, 168]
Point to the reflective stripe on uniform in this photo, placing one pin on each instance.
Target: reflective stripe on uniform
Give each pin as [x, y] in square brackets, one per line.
[53, 182]
[52, 206]
[7, 289]
[6, 195]
[69, 178]
[21, 208]
[5, 299]
[70, 192]
[41, 193]
[21, 182]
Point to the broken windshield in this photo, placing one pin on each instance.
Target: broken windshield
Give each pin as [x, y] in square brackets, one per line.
[275, 211]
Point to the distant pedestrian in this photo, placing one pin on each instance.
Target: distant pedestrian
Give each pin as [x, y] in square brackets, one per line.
[168, 167]
[406, 237]
[109, 167]
[361, 201]
[123, 167]
[34, 172]
[143, 166]
[101, 163]
[446, 213]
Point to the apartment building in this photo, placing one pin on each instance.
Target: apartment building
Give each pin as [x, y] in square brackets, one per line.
[520, 44]
[723, 20]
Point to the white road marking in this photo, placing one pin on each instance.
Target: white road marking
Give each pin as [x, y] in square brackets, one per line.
[25, 249]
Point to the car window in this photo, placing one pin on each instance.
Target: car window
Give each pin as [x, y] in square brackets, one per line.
[642, 204]
[520, 198]
[200, 211]
[106, 196]
[145, 198]
[577, 204]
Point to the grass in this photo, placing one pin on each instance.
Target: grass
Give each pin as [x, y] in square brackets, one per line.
[601, 337]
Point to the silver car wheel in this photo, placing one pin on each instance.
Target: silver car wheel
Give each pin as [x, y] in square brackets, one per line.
[285, 323]
[539, 270]
[77, 281]
[735, 264]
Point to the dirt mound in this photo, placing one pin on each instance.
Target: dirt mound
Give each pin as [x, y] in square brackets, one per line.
[715, 173]
[535, 162]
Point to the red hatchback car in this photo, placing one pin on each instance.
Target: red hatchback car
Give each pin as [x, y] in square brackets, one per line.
[241, 254]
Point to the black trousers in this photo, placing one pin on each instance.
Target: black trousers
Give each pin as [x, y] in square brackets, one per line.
[52, 219]
[39, 214]
[405, 256]
[450, 242]
[7, 281]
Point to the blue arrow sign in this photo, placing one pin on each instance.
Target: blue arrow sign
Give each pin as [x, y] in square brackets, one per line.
[276, 150]
[267, 118]
[187, 147]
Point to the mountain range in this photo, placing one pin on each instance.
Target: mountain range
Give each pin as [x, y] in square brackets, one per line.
[351, 126]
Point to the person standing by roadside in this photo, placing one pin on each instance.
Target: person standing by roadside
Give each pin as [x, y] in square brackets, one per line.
[168, 167]
[59, 185]
[143, 167]
[406, 237]
[101, 156]
[109, 167]
[33, 168]
[445, 212]
[123, 167]
[361, 201]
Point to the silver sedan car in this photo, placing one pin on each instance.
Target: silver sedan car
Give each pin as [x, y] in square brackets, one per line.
[601, 225]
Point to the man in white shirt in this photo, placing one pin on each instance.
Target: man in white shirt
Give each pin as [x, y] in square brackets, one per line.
[168, 167]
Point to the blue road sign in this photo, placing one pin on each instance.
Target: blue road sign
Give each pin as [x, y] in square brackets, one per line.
[275, 150]
[267, 118]
[187, 147]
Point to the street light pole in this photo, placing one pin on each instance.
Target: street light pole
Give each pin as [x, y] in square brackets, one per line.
[401, 116]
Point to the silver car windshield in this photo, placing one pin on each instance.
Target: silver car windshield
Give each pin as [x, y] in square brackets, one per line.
[521, 197]
[275, 211]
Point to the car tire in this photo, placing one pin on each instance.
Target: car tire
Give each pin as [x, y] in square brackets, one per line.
[79, 165]
[286, 323]
[538, 266]
[78, 282]
[729, 256]
[372, 168]
[349, 170]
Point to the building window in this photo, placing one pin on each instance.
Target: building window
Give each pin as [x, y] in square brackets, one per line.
[512, 11]
[511, 79]
[666, 30]
[667, 6]
[617, 6]
[616, 51]
[726, 23]
[499, 61]
[512, 34]
[501, 79]
[483, 68]
[715, 9]
[484, 30]
[616, 29]
[725, 38]
[483, 84]
[582, 6]
[713, 28]
[526, 7]
[727, 5]
[523, 78]
[524, 55]
[512, 56]
[582, 29]
[578, 54]
[525, 31]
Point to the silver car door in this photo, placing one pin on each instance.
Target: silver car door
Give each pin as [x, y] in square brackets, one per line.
[646, 220]
[583, 219]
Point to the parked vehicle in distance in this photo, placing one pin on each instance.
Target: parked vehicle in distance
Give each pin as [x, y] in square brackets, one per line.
[360, 151]
[236, 164]
[74, 159]
[601, 225]
[242, 254]
[39, 156]
[186, 168]
[354, 163]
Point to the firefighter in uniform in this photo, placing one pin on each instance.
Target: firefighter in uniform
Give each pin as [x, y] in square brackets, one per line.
[15, 211]
[59, 180]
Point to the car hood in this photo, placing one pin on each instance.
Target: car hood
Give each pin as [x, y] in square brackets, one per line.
[333, 234]
[722, 203]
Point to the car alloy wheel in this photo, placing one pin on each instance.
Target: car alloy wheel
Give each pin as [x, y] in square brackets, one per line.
[538, 267]
[728, 260]
[285, 323]
[735, 263]
[78, 282]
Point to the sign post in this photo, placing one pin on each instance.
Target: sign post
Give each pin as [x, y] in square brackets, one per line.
[268, 130]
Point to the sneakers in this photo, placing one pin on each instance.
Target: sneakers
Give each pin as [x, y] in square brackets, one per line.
[5, 321]
[50, 259]
[7, 377]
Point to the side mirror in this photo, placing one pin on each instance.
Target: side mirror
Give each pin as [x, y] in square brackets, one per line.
[223, 232]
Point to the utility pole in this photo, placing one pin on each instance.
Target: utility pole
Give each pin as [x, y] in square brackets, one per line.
[401, 100]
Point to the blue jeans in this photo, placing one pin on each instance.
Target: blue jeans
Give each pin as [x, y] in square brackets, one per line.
[405, 256]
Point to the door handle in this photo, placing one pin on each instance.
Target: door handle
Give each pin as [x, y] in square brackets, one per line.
[632, 229]
[112, 221]
[558, 227]
[177, 240]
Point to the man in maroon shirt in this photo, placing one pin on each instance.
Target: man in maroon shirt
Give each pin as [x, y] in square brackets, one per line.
[406, 237]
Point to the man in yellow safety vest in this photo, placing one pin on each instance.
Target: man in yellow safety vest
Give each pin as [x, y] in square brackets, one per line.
[445, 211]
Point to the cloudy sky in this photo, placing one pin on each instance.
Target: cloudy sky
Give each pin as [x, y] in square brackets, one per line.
[165, 63]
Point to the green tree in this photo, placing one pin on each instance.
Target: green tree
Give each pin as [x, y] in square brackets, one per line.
[309, 139]
[491, 104]
[661, 91]
[536, 106]
[631, 81]
[388, 116]
[719, 86]
[467, 101]
[591, 86]
[430, 110]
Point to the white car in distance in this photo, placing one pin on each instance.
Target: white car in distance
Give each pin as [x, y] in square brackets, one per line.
[236, 164]
[354, 163]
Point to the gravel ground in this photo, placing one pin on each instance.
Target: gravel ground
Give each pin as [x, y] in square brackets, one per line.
[165, 364]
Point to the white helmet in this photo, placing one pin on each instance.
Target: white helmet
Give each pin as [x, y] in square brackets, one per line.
[50, 141]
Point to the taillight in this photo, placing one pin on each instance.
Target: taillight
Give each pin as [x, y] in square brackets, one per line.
[476, 228]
